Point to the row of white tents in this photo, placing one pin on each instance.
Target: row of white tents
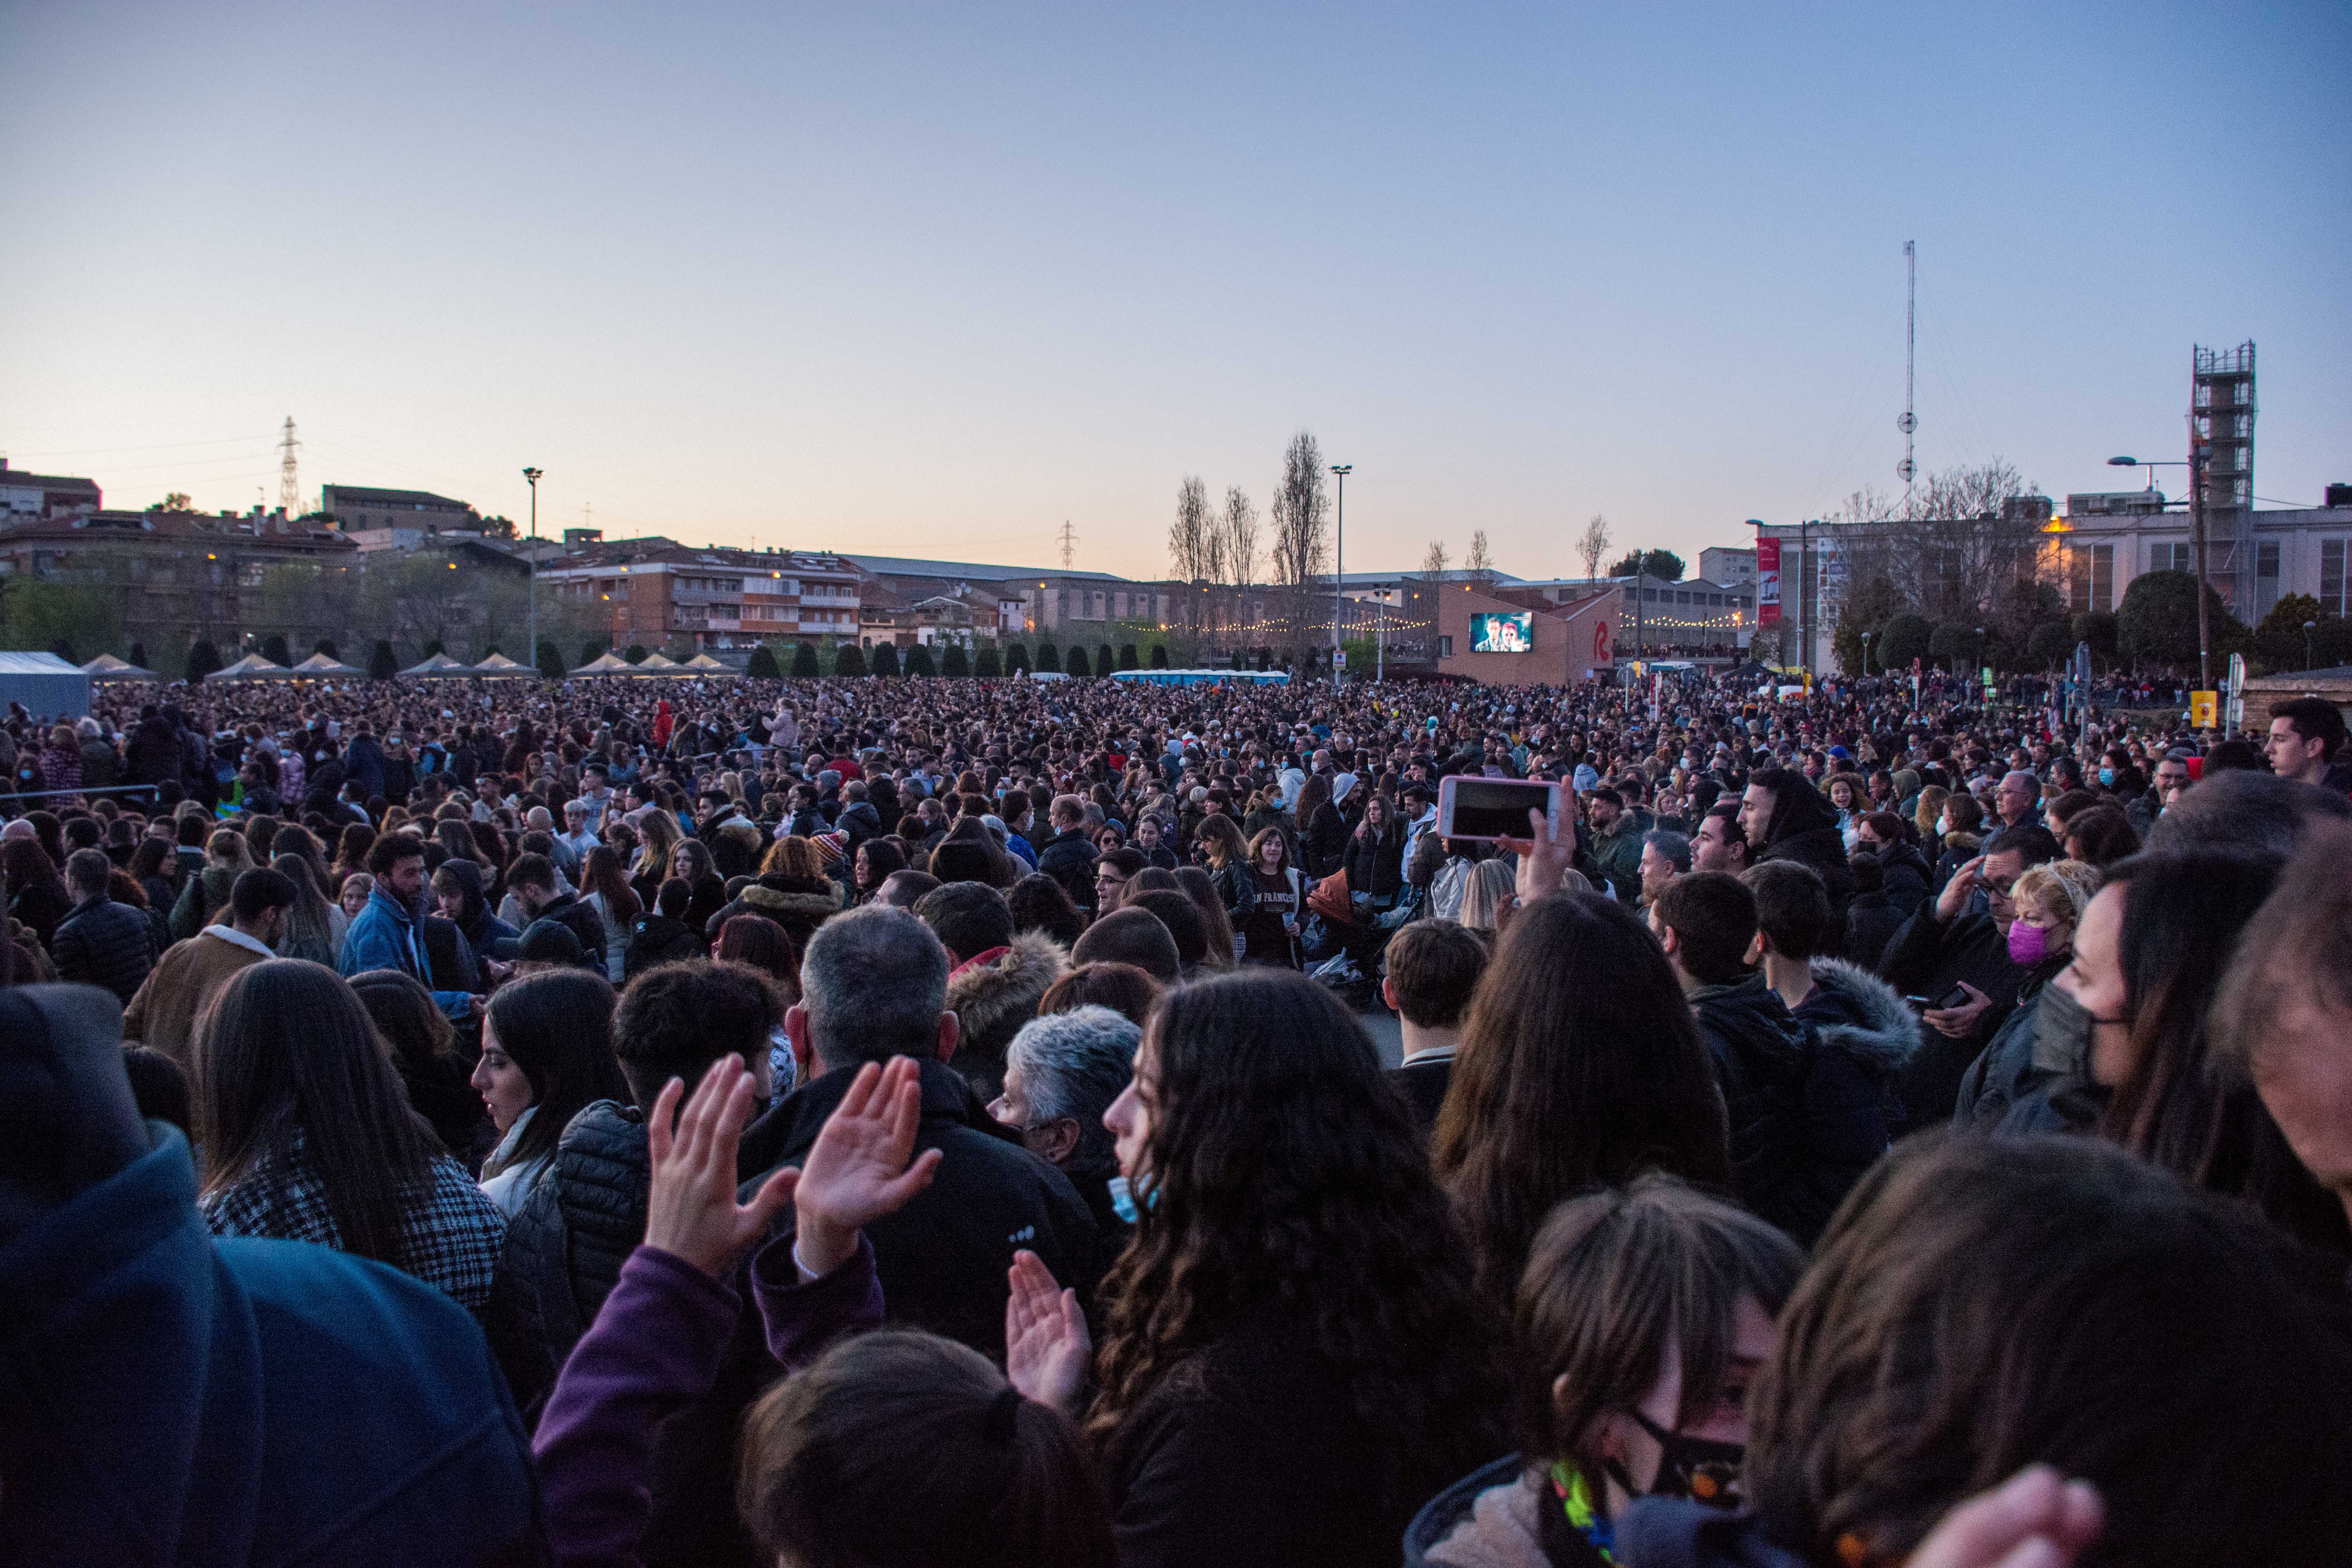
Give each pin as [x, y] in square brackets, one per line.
[439, 666]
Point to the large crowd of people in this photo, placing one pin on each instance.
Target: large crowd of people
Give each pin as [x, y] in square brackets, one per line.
[880, 1123]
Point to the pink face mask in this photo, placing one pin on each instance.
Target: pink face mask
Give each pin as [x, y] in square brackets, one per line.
[2028, 944]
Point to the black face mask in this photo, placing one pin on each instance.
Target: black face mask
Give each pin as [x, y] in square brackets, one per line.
[1700, 1469]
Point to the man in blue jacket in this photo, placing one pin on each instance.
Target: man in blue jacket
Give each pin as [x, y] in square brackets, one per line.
[174, 1398]
[388, 933]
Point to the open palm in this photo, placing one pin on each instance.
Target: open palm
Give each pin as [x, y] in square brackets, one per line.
[1046, 1347]
[858, 1171]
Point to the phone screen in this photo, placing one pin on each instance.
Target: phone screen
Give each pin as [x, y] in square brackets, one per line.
[1496, 809]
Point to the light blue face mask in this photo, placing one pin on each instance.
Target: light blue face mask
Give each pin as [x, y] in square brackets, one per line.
[1122, 1198]
[2106, 776]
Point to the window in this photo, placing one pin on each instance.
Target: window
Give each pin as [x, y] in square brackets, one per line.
[2331, 575]
[2172, 556]
[1446, 647]
[2091, 577]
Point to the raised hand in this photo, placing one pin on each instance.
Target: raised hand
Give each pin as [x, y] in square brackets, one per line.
[1544, 855]
[1046, 1347]
[2034, 1519]
[1954, 896]
[857, 1171]
[692, 1212]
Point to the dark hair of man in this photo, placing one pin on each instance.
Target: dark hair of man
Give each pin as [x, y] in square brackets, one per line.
[1290, 1176]
[1727, 812]
[1135, 936]
[1615, 1279]
[1181, 916]
[1581, 1066]
[2314, 718]
[389, 850]
[1979, 1305]
[1713, 917]
[2104, 834]
[673, 897]
[1123, 987]
[1433, 968]
[159, 1086]
[1015, 803]
[532, 871]
[2030, 840]
[825, 1454]
[675, 1019]
[258, 889]
[1792, 907]
[1891, 830]
[968, 918]
[557, 1026]
[874, 982]
[1127, 862]
[418, 1032]
[284, 1047]
[87, 872]
[905, 889]
[2243, 810]
[2184, 911]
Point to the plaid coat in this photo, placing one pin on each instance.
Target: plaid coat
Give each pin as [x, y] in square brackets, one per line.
[450, 1232]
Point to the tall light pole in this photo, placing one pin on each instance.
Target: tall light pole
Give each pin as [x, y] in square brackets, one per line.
[1865, 655]
[2310, 661]
[530, 559]
[1338, 564]
[2196, 467]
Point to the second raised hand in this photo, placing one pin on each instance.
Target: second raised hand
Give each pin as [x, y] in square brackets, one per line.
[857, 1170]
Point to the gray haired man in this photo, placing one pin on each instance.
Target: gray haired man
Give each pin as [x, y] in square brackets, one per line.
[1061, 1073]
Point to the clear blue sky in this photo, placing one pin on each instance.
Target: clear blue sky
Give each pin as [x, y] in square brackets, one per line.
[932, 279]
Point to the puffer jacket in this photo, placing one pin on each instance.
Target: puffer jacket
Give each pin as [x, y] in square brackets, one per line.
[799, 904]
[105, 943]
[1804, 829]
[1864, 1035]
[992, 1000]
[565, 1250]
[1762, 1060]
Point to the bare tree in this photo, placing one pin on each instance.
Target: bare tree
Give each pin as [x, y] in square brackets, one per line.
[1189, 541]
[1480, 562]
[1967, 548]
[1432, 562]
[1301, 539]
[1592, 544]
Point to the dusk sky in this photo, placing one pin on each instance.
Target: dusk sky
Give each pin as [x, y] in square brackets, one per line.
[930, 280]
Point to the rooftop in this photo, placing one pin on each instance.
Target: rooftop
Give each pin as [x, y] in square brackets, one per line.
[907, 566]
[19, 479]
[363, 495]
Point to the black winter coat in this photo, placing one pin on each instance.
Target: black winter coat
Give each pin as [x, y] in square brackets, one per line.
[1762, 1060]
[1069, 859]
[1926, 958]
[659, 940]
[565, 1248]
[105, 943]
[944, 1257]
[1324, 841]
[1376, 865]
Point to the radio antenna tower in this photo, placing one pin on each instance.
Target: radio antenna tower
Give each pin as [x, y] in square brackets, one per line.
[1069, 544]
[1906, 469]
[289, 493]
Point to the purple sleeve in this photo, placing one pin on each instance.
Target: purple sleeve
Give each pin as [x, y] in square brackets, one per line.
[654, 1348]
[802, 1318]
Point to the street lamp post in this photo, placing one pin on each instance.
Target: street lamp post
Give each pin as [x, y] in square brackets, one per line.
[1865, 655]
[1338, 564]
[2310, 661]
[2196, 467]
[531, 558]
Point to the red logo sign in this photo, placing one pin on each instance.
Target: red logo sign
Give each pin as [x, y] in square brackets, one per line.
[1600, 640]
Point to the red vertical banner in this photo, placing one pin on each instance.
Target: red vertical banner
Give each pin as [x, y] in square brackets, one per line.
[1768, 582]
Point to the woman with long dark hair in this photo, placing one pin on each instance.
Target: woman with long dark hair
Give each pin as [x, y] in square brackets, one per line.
[308, 931]
[2134, 1009]
[1293, 1358]
[547, 1052]
[424, 1054]
[1198, 886]
[761, 944]
[36, 893]
[307, 1135]
[1581, 1067]
[876, 860]
[1322, 830]
[690, 862]
[604, 888]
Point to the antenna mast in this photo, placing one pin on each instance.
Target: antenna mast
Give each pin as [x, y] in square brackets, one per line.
[1907, 469]
[289, 496]
[1069, 544]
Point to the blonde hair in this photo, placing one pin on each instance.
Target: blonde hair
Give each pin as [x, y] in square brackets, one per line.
[1493, 888]
[2059, 887]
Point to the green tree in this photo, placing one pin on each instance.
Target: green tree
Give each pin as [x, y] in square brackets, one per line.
[849, 659]
[550, 659]
[804, 662]
[885, 660]
[177, 501]
[2097, 628]
[327, 646]
[2157, 622]
[1867, 608]
[40, 614]
[593, 649]
[763, 664]
[2050, 645]
[1016, 658]
[273, 649]
[1076, 663]
[918, 662]
[990, 664]
[139, 655]
[1047, 659]
[1955, 647]
[1105, 660]
[636, 653]
[1903, 638]
[432, 646]
[955, 661]
[1264, 658]
[1661, 563]
[381, 665]
[203, 659]
[2281, 644]
[1159, 657]
[1127, 658]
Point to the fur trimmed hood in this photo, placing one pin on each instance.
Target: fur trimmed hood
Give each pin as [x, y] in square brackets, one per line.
[794, 896]
[992, 1000]
[1863, 1015]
